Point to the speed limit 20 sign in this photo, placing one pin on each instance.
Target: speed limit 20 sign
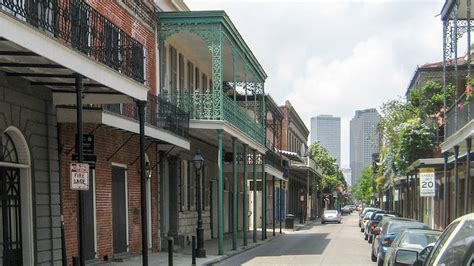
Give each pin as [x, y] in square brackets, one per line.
[427, 182]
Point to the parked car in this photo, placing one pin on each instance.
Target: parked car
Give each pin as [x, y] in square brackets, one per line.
[455, 246]
[346, 210]
[353, 207]
[364, 220]
[388, 229]
[372, 223]
[364, 211]
[409, 239]
[331, 216]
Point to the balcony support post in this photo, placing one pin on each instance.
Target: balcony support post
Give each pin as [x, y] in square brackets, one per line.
[264, 200]
[246, 86]
[446, 191]
[454, 46]
[80, 159]
[456, 181]
[467, 185]
[220, 185]
[407, 184]
[235, 194]
[468, 11]
[273, 204]
[143, 179]
[415, 196]
[445, 80]
[280, 204]
[254, 196]
[245, 227]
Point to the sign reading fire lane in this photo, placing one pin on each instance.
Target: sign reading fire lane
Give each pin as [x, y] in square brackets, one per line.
[427, 182]
[79, 176]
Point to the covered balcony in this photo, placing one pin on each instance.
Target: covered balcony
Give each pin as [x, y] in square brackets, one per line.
[212, 74]
[49, 42]
[457, 19]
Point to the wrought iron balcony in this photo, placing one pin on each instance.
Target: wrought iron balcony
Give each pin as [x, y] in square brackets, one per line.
[215, 106]
[78, 25]
[159, 112]
[458, 115]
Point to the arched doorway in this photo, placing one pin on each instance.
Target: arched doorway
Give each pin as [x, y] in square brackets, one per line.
[16, 224]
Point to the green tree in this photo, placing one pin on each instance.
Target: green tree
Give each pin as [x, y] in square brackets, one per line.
[362, 190]
[332, 175]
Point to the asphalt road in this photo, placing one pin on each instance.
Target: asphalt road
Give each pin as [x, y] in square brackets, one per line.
[329, 244]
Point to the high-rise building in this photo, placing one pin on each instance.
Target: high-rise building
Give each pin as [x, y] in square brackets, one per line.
[347, 175]
[327, 130]
[364, 140]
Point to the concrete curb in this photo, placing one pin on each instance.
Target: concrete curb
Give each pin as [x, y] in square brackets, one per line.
[242, 250]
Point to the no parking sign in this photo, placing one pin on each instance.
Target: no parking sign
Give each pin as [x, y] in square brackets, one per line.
[79, 176]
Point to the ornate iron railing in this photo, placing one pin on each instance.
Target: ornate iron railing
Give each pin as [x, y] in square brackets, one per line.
[159, 113]
[214, 106]
[77, 24]
[458, 115]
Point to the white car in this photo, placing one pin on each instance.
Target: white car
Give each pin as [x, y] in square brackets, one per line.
[454, 247]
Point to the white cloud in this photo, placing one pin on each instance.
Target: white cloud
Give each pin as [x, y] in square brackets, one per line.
[334, 57]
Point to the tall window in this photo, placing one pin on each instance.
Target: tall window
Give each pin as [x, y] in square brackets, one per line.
[181, 74]
[204, 82]
[190, 76]
[198, 85]
[174, 70]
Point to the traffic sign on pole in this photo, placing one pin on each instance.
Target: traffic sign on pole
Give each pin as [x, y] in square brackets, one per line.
[427, 182]
[79, 176]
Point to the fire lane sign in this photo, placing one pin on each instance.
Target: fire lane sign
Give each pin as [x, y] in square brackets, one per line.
[427, 182]
[79, 176]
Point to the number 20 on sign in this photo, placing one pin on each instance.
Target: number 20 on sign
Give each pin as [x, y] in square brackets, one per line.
[79, 176]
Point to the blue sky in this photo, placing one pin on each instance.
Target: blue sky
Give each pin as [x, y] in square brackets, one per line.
[336, 56]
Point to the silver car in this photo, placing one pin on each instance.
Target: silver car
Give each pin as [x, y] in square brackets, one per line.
[331, 216]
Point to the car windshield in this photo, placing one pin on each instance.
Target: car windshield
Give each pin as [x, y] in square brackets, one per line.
[456, 251]
[367, 215]
[419, 240]
[379, 216]
[396, 226]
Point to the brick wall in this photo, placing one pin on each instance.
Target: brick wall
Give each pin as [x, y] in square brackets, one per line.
[107, 141]
[143, 33]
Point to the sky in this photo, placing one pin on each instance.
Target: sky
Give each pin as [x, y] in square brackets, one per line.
[336, 56]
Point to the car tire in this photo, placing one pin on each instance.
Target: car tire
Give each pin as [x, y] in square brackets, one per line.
[362, 229]
[370, 239]
[373, 257]
[339, 222]
[323, 222]
[366, 236]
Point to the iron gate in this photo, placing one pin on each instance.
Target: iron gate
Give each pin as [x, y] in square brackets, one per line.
[11, 246]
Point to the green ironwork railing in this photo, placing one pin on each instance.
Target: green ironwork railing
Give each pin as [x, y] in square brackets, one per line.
[215, 106]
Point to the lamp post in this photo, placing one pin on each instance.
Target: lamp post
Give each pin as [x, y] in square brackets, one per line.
[198, 161]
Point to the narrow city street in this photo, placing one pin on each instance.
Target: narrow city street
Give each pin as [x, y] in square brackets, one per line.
[329, 244]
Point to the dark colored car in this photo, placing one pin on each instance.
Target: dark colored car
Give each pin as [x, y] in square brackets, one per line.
[373, 222]
[389, 229]
[455, 246]
[409, 239]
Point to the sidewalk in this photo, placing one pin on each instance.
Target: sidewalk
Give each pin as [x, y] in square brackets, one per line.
[183, 256]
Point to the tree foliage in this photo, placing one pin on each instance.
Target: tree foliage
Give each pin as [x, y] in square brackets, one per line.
[408, 128]
[332, 175]
[362, 190]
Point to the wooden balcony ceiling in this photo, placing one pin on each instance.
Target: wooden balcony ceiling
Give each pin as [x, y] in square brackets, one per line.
[41, 72]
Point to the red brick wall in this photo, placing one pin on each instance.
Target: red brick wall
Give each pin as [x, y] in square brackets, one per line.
[121, 17]
[107, 140]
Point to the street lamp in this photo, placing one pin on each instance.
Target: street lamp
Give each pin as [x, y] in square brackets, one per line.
[198, 161]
